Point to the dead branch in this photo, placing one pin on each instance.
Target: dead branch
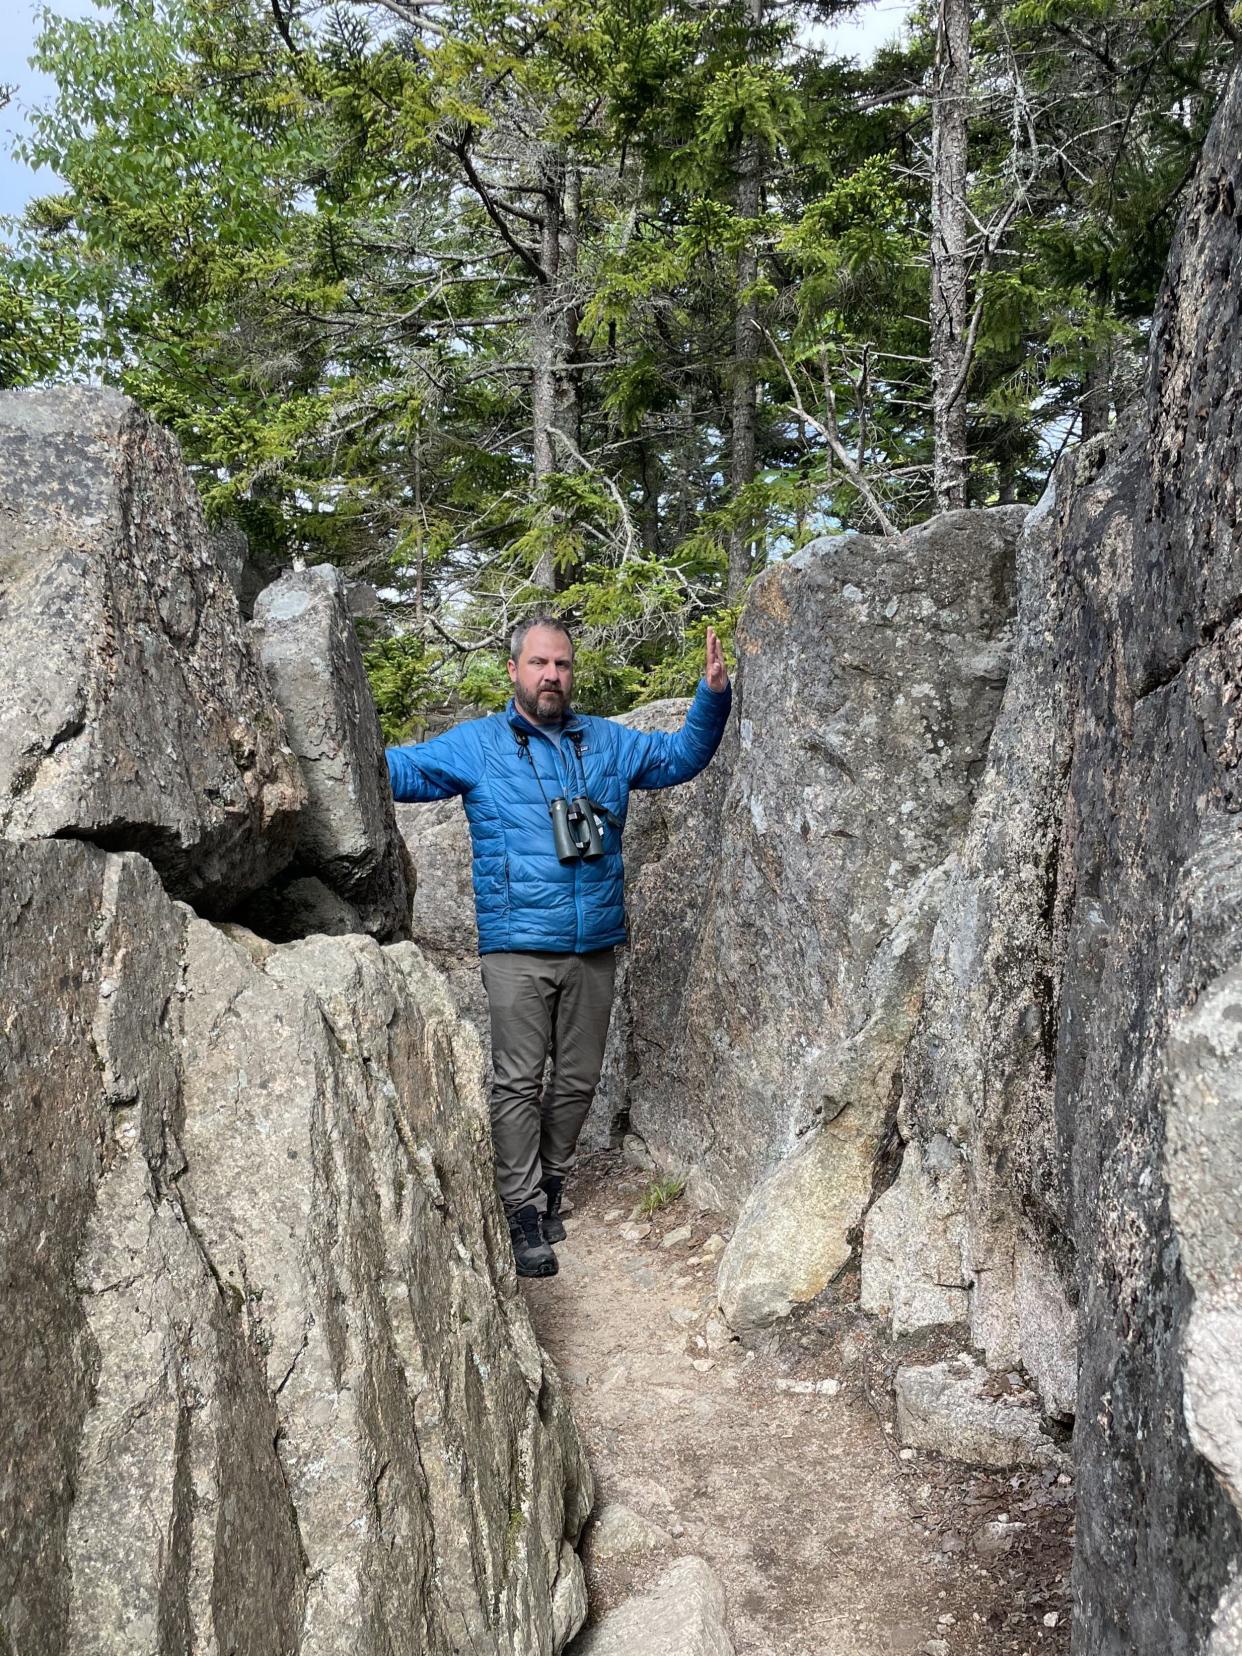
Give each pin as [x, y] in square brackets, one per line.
[834, 442]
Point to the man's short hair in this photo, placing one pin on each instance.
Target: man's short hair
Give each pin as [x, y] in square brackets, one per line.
[556, 623]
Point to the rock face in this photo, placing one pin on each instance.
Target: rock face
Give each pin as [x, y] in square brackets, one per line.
[347, 836]
[1153, 880]
[1071, 1099]
[869, 676]
[669, 838]
[977, 1228]
[790, 922]
[266, 1379]
[437, 838]
[133, 710]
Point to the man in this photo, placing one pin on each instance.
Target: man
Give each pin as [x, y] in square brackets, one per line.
[546, 792]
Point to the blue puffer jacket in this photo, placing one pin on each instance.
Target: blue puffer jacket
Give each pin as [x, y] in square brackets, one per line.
[524, 897]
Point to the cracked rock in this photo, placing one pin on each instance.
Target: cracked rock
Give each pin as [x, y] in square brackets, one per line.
[133, 708]
[942, 1407]
[267, 1380]
[347, 834]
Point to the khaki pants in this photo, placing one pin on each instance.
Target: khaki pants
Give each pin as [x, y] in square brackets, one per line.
[543, 1005]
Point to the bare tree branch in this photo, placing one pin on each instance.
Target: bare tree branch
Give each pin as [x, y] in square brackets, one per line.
[972, 336]
[834, 442]
[461, 151]
[282, 24]
[627, 551]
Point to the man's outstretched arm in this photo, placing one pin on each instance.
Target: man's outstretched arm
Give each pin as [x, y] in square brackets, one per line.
[660, 759]
[446, 765]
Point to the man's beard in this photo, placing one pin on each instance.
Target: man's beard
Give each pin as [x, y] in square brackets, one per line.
[556, 706]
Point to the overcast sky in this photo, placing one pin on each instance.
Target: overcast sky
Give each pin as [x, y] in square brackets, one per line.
[874, 23]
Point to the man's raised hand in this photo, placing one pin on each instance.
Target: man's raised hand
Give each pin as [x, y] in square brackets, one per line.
[717, 673]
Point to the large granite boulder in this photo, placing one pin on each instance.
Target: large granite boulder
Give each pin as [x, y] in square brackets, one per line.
[1154, 905]
[437, 837]
[670, 835]
[976, 1227]
[266, 1378]
[681, 1613]
[347, 835]
[133, 709]
[789, 974]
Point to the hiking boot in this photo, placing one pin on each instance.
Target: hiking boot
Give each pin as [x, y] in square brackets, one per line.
[534, 1256]
[553, 1224]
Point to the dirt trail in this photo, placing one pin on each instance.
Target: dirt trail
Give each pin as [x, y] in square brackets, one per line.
[828, 1540]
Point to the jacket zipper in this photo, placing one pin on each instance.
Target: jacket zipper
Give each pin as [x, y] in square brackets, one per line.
[579, 918]
[562, 766]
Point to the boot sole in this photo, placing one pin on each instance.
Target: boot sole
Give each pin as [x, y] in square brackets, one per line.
[541, 1270]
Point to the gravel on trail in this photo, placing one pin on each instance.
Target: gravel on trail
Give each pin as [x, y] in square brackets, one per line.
[780, 1465]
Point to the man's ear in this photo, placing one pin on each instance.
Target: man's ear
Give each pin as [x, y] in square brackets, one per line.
[512, 671]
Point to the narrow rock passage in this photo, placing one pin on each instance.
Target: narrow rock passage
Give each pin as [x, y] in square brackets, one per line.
[829, 1541]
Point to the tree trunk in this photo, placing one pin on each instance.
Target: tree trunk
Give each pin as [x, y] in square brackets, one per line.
[949, 325]
[1097, 389]
[544, 344]
[745, 353]
[569, 388]
[1097, 395]
[649, 509]
[566, 376]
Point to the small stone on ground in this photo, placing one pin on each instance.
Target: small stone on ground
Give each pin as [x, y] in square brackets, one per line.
[681, 1614]
[619, 1530]
[941, 1407]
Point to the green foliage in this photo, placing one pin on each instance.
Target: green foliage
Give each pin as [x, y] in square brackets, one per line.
[660, 1193]
[400, 675]
[678, 674]
[310, 241]
[39, 328]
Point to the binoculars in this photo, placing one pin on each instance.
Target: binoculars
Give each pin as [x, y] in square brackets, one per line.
[576, 829]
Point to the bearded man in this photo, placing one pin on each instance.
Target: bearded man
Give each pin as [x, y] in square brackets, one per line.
[546, 792]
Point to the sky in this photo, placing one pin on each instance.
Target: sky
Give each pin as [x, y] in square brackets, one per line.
[17, 182]
[874, 23]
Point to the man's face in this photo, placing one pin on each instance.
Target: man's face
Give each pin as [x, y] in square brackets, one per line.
[543, 675]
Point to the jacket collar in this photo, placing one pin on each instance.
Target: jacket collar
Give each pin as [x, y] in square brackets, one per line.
[519, 721]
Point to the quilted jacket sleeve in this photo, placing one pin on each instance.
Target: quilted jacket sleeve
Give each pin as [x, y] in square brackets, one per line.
[446, 765]
[660, 759]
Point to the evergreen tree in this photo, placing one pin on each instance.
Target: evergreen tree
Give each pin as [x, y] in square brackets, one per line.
[600, 307]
